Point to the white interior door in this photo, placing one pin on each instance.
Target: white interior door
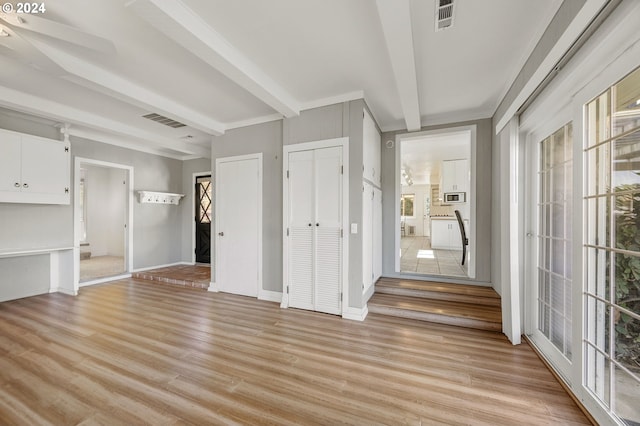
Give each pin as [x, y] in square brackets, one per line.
[239, 210]
[328, 240]
[301, 229]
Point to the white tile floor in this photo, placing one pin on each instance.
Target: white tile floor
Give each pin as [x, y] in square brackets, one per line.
[419, 257]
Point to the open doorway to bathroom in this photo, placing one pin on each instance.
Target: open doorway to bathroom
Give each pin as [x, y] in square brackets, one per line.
[102, 212]
[435, 182]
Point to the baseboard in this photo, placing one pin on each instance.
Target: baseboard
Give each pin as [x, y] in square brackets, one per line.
[103, 280]
[271, 296]
[148, 268]
[67, 291]
[366, 294]
[213, 287]
[355, 314]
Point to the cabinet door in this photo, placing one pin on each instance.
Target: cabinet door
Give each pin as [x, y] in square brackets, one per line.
[439, 233]
[45, 168]
[10, 180]
[462, 176]
[371, 149]
[448, 176]
[367, 236]
[377, 234]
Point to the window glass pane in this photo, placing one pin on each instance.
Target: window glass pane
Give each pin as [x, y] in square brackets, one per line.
[626, 396]
[627, 341]
[598, 374]
[627, 222]
[557, 256]
[598, 213]
[626, 162]
[627, 103]
[598, 119]
[598, 272]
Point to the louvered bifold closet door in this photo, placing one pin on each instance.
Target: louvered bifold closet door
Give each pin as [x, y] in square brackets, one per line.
[377, 234]
[301, 229]
[328, 241]
[367, 235]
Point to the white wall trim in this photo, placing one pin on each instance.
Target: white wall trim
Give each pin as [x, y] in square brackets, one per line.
[103, 280]
[253, 121]
[193, 214]
[271, 296]
[331, 100]
[355, 314]
[79, 161]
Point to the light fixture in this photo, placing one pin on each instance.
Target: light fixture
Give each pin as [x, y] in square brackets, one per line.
[3, 33]
[638, 102]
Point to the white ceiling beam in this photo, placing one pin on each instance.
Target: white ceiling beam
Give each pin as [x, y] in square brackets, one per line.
[395, 17]
[31, 104]
[182, 24]
[97, 78]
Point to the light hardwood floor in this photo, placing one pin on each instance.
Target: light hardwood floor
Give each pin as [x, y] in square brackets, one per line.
[133, 352]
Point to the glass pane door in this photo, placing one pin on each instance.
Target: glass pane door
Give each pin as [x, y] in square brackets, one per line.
[612, 339]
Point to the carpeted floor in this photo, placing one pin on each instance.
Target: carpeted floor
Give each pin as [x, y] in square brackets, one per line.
[101, 266]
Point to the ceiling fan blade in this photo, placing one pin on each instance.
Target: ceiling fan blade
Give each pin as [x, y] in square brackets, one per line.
[59, 31]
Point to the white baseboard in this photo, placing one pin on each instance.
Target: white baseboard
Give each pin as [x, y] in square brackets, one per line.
[148, 268]
[213, 287]
[104, 280]
[356, 314]
[271, 296]
[67, 291]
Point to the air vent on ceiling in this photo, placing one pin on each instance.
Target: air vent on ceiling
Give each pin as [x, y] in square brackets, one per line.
[444, 14]
[164, 120]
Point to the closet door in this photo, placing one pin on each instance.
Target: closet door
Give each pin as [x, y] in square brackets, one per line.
[367, 236]
[328, 228]
[377, 234]
[301, 229]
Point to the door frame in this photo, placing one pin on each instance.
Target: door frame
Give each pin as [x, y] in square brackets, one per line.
[473, 220]
[215, 286]
[195, 176]
[77, 231]
[342, 142]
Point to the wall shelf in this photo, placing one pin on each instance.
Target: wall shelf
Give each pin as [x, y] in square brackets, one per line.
[159, 197]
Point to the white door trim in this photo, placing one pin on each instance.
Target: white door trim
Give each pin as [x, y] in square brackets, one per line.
[215, 286]
[194, 176]
[76, 215]
[326, 143]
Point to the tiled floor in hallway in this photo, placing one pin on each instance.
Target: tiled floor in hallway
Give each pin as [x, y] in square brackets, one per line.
[419, 257]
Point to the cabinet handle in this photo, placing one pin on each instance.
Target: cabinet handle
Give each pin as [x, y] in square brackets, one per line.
[317, 224]
[17, 185]
[25, 185]
[221, 234]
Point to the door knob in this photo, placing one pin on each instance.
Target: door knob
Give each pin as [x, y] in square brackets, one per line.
[221, 234]
[17, 185]
[25, 185]
[309, 224]
[317, 224]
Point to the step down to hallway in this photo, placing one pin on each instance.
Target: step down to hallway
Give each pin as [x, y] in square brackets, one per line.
[474, 294]
[196, 276]
[443, 303]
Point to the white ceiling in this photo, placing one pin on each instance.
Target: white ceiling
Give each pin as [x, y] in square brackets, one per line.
[219, 64]
[422, 157]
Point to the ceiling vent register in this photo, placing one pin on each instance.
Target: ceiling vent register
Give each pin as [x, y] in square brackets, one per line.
[444, 14]
[164, 120]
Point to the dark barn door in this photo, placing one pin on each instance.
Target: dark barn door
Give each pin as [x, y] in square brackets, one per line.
[203, 219]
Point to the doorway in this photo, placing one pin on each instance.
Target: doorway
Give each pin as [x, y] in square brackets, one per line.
[103, 211]
[436, 184]
[238, 207]
[203, 196]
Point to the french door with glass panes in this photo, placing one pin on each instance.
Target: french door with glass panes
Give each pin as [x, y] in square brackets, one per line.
[551, 290]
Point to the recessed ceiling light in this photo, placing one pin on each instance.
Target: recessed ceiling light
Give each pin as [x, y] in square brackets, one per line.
[3, 33]
[638, 102]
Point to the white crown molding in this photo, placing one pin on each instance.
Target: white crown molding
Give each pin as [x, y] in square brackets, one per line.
[444, 118]
[253, 121]
[331, 100]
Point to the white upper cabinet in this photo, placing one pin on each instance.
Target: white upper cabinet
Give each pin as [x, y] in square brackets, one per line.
[455, 176]
[33, 169]
[371, 150]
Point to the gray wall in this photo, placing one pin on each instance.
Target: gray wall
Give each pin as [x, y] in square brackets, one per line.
[267, 139]
[189, 167]
[483, 198]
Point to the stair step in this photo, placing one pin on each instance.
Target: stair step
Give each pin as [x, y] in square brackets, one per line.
[439, 311]
[439, 291]
[195, 276]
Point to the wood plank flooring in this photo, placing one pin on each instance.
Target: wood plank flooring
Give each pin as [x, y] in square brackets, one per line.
[135, 352]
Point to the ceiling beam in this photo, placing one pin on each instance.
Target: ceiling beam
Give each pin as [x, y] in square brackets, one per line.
[97, 78]
[182, 24]
[395, 17]
[38, 106]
